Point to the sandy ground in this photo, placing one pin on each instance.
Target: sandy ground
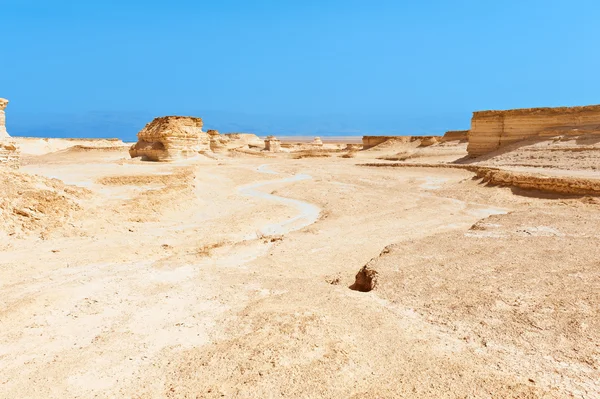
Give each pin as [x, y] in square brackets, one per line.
[229, 277]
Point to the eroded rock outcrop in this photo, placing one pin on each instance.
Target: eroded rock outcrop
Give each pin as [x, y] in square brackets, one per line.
[9, 154]
[170, 138]
[272, 144]
[455, 135]
[429, 140]
[372, 141]
[491, 130]
[3, 132]
[317, 142]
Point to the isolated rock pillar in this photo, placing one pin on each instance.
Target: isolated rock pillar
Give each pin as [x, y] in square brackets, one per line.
[3, 132]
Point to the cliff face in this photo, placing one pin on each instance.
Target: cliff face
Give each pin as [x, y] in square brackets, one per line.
[170, 138]
[491, 130]
[3, 132]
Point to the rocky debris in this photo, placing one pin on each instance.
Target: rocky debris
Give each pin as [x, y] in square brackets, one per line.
[170, 138]
[9, 154]
[31, 203]
[491, 130]
[272, 144]
[3, 132]
[455, 135]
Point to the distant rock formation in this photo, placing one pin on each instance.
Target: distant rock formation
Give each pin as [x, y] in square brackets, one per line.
[317, 142]
[372, 141]
[272, 144]
[249, 139]
[218, 142]
[491, 130]
[3, 132]
[455, 135]
[9, 154]
[429, 140]
[170, 138]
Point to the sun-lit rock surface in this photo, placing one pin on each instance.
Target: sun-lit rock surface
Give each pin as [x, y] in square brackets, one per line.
[9, 154]
[372, 141]
[455, 135]
[3, 104]
[491, 130]
[170, 138]
[272, 144]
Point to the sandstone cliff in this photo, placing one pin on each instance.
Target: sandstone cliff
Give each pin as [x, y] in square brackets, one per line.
[3, 104]
[170, 138]
[491, 130]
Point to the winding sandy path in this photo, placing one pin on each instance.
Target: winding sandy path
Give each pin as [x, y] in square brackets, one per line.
[308, 215]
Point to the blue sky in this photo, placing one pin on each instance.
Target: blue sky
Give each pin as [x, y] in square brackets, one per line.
[105, 68]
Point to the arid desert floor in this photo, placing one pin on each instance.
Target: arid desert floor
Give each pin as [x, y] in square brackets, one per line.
[228, 276]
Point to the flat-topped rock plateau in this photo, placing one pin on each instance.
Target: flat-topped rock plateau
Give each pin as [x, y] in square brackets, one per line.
[396, 268]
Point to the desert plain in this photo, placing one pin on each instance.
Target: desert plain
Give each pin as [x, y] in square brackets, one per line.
[402, 270]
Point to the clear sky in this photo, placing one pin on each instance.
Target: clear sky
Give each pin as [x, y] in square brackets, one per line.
[105, 68]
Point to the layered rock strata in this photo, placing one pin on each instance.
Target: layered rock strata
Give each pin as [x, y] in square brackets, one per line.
[272, 144]
[491, 130]
[455, 135]
[171, 138]
[429, 140]
[3, 132]
[9, 154]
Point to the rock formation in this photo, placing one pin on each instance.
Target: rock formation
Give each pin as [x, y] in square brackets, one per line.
[9, 154]
[170, 138]
[317, 142]
[218, 142]
[272, 144]
[491, 130]
[3, 132]
[372, 141]
[429, 140]
[455, 135]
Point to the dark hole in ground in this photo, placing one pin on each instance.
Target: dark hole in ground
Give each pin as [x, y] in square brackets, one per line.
[365, 281]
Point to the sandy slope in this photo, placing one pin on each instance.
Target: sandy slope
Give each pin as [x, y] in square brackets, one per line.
[213, 278]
